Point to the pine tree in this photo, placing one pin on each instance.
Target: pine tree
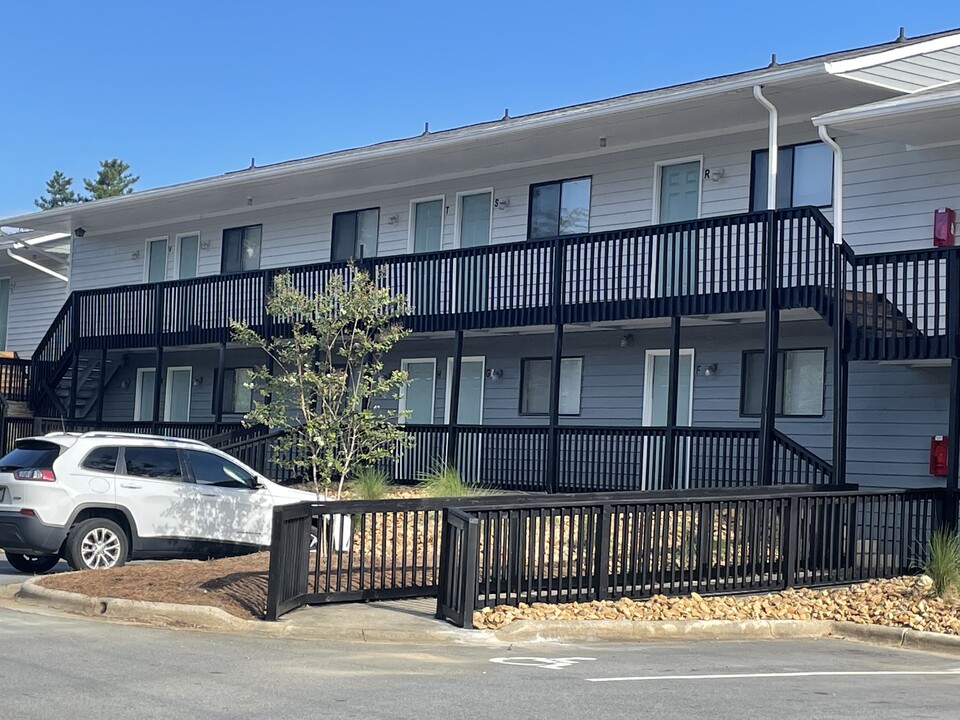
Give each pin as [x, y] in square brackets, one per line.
[59, 193]
[113, 179]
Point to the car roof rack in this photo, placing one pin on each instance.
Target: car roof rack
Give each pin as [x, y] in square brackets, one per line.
[142, 436]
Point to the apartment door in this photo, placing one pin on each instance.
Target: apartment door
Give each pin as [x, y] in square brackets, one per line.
[188, 254]
[155, 269]
[474, 215]
[176, 407]
[470, 412]
[4, 311]
[143, 398]
[417, 398]
[426, 236]
[656, 391]
[679, 201]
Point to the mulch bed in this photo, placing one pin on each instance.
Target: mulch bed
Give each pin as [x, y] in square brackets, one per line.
[237, 584]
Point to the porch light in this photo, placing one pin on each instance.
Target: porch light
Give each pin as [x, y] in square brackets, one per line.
[708, 370]
[494, 373]
[626, 341]
[198, 380]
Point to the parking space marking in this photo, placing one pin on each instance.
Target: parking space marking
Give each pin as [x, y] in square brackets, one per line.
[541, 662]
[748, 676]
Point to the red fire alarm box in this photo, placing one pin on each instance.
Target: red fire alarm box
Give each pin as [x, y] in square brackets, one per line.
[943, 224]
[938, 456]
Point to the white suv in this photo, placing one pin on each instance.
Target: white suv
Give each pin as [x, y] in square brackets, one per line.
[100, 499]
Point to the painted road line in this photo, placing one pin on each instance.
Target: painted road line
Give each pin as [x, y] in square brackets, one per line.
[749, 676]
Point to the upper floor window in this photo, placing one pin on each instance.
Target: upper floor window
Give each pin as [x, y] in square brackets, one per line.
[241, 249]
[355, 234]
[804, 177]
[561, 207]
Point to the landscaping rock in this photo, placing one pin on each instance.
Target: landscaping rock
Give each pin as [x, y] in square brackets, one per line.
[904, 602]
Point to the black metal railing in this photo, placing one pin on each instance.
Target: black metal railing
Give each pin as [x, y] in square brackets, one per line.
[713, 265]
[544, 550]
[15, 379]
[367, 550]
[589, 459]
[903, 305]
[15, 428]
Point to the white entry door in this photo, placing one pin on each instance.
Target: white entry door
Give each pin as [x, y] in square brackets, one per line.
[176, 407]
[417, 398]
[679, 201]
[656, 391]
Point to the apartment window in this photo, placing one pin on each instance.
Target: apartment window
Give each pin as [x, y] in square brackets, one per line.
[800, 381]
[535, 386]
[559, 208]
[355, 234]
[237, 397]
[241, 249]
[804, 177]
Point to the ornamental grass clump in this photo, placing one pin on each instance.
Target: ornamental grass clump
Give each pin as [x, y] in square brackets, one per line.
[445, 481]
[942, 563]
[370, 484]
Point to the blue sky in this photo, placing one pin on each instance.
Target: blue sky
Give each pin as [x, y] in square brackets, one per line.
[182, 90]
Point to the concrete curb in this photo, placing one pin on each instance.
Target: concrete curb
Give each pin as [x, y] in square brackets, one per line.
[203, 617]
[586, 631]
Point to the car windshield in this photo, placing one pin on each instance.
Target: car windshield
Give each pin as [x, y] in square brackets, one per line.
[30, 454]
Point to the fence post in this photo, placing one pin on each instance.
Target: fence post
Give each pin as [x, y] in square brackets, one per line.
[471, 552]
[454, 401]
[791, 539]
[277, 562]
[602, 569]
[283, 563]
[669, 480]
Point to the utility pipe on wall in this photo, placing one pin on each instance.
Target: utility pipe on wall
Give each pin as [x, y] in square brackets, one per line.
[837, 183]
[772, 147]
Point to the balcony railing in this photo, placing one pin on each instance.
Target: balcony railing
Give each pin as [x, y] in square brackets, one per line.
[713, 265]
[590, 459]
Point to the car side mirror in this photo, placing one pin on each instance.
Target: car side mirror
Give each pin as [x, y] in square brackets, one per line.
[255, 484]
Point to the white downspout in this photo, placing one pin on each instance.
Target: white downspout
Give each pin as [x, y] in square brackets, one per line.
[772, 147]
[837, 183]
[37, 266]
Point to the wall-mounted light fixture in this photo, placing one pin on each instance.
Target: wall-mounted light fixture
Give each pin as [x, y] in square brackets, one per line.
[393, 220]
[714, 174]
[135, 255]
[204, 244]
[708, 370]
[125, 383]
[626, 341]
[501, 203]
[79, 232]
[198, 380]
[494, 373]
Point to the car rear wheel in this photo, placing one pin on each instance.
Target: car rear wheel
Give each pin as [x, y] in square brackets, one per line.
[96, 544]
[33, 564]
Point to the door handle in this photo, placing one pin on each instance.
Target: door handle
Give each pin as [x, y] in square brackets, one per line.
[208, 494]
[130, 486]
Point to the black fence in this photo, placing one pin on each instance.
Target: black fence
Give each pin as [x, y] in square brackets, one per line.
[364, 550]
[15, 379]
[556, 551]
[473, 552]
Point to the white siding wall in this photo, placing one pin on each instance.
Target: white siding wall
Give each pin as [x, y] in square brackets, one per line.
[35, 298]
[622, 196]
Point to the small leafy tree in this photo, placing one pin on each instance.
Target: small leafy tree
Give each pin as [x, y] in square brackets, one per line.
[113, 179]
[329, 374]
[59, 193]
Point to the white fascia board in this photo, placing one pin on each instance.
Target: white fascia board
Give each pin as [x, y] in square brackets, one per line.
[482, 131]
[840, 67]
[889, 108]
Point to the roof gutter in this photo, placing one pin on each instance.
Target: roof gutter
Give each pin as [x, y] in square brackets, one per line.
[772, 147]
[37, 266]
[837, 183]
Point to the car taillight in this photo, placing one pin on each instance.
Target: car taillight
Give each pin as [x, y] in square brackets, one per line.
[43, 474]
